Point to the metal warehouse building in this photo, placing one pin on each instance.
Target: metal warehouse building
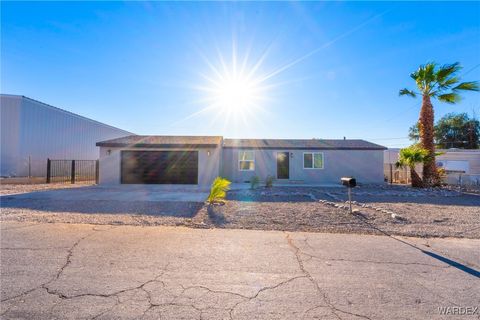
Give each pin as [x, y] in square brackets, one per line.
[32, 132]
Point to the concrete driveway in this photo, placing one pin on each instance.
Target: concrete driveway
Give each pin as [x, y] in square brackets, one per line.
[111, 204]
[184, 193]
[67, 271]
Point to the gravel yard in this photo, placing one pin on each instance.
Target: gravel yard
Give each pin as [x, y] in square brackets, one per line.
[435, 212]
[379, 209]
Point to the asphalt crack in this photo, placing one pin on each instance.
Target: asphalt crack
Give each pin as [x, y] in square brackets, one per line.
[333, 308]
[59, 272]
[263, 290]
[57, 275]
[192, 305]
[113, 294]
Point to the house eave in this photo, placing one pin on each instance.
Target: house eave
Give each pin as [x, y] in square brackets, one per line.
[302, 148]
[156, 146]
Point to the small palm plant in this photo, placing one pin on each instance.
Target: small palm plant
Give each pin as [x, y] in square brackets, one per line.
[269, 182]
[218, 190]
[409, 157]
[254, 182]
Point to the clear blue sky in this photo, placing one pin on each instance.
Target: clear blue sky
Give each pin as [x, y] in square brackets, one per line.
[335, 67]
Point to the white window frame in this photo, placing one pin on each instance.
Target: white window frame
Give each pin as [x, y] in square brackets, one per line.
[240, 159]
[313, 160]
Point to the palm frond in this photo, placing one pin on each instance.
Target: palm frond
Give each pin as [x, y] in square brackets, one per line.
[409, 157]
[418, 77]
[447, 83]
[451, 97]
[406, 92]
[414, 75]
[446, 71]
[424, 76]
[440, 82]
[429, 75]
[218, 190]
[470, 85]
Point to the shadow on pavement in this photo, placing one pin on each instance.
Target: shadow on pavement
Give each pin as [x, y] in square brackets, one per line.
[452, 263]
[443, 259]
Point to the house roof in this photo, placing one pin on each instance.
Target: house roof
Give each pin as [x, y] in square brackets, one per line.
[163, 142]
[312, 144]
[137, 141]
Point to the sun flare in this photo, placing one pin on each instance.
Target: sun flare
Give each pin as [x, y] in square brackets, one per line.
[235, 90]
[235, 93]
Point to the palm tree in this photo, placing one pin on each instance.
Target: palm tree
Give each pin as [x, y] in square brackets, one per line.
[443, 84]
[218, 190]
[409, 157]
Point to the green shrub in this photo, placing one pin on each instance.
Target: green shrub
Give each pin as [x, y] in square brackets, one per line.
[218, 190]
[254, 182]
[269, 182]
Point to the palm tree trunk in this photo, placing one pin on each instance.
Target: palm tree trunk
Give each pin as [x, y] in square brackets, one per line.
[416, 180]
[426, 139]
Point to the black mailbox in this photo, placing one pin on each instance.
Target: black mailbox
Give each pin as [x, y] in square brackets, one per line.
[349, 182]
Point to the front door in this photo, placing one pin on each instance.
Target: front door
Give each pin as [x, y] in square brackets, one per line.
[283, 165]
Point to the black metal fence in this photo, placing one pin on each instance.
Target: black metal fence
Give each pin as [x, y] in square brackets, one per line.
[72, 171]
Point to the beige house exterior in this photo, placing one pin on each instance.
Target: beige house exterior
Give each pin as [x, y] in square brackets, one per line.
[197, 160]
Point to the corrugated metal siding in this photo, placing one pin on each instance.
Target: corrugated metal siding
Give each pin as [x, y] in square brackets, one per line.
[33, 129]
[10, 135]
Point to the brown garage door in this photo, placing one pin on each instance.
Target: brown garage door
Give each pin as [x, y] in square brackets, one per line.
[159, 167]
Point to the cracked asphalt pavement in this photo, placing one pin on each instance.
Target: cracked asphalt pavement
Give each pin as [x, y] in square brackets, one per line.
[79, 271]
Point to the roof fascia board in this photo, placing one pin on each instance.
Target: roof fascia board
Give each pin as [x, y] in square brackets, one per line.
[305, 148]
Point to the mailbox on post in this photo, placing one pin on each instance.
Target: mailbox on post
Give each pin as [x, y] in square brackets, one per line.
[350, 183]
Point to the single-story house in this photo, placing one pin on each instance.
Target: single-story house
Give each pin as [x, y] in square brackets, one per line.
[199, 159]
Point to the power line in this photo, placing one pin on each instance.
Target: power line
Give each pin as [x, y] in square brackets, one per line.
[399, 138]
[470, 70]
